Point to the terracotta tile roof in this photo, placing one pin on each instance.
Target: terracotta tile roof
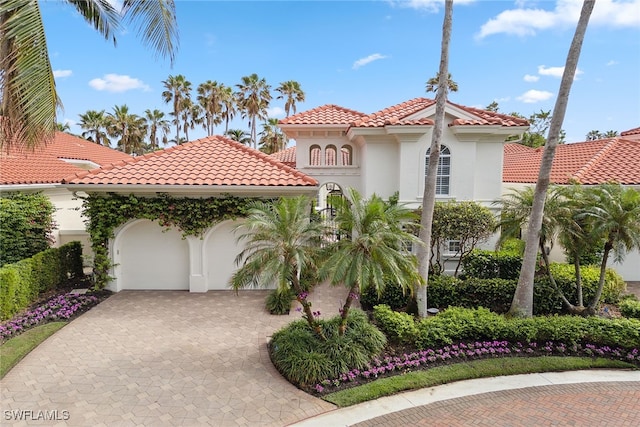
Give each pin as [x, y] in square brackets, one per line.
[591, 162]
[286, 156]
[395, 114]
[214, 160]
[43, 165]
[634, 131]
[324, 115]
[488, 118]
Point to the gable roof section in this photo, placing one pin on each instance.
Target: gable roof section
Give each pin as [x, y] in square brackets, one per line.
[324, 115]
[44, 165]
[486, 117]
[591, 162]
[214, 161]
[396, 115]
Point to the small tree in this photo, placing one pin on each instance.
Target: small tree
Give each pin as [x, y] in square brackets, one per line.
[468, 223]
[374, 250]
[282, 245]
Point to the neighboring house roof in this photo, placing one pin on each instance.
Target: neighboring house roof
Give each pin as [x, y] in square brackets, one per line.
[397, 115]
[210, 161]
[591, 162]
[44, 165]
[634, 131]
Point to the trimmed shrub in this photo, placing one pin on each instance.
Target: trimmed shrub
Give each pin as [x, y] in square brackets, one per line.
[489, 264]
[459, 324]
[304, 359]
[21, 283]
[392, 295]
[398, 327]
[497, 294]
[630, 308]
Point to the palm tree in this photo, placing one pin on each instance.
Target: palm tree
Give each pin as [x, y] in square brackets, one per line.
[228, 102]
[429, 195]
[95, 124]
[292, 92]
[282, 245]
[374, 251]
[522, 304]
[177, 89]
[129, 128]
[239, 135]
[209, 99]
[28, 97]
[192, 115]
[62, 127]
[271, 138]
[253, 101]
[614, 215]
[434, 82]
[157, 125]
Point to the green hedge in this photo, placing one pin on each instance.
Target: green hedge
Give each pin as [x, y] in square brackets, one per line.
[460, 324]
[489, 264]
[497, 294]
[630, 308]
[26, 222]
[22, 282]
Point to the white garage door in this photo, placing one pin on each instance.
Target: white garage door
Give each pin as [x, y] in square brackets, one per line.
[220, 251]
[151, 258]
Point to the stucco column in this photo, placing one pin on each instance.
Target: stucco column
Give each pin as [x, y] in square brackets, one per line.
[197, 280]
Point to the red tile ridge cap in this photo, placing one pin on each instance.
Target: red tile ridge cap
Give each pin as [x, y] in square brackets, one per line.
[265, 157]
[592, 163]
[288, 120]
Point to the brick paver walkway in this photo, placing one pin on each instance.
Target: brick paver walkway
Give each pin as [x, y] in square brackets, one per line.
[587, 404]
[163, 358]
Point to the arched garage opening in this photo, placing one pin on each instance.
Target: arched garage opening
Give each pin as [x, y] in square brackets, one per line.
[220, 251]
[149, 257]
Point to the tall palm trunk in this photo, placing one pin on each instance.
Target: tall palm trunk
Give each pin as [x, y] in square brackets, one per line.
[522, 304]
[429, 196]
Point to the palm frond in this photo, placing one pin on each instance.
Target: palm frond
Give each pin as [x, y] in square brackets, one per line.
[156, 22]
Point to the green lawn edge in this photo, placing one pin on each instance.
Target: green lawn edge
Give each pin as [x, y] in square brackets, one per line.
[466, 371]
[16, 348]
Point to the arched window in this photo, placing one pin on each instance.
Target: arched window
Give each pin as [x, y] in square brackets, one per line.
[347, 155]
[444, 170]
[331, 155]
[314, 155]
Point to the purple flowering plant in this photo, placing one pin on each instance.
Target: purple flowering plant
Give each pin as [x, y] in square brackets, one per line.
[59, 307]
[465, 351]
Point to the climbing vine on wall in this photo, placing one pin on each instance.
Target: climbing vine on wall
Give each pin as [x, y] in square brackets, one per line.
[192, 216]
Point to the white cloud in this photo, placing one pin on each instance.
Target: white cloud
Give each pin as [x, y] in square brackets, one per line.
[528, 21]
[612, 62]
[275, 112]
[58, 74]
[532, 96]
[531, 79]
[366, 60]
[118, 83]
[555, 71]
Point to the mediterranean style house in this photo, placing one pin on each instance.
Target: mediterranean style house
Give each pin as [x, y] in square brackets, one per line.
[43, 169]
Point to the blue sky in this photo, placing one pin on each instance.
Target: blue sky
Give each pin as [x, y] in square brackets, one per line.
[365, 56]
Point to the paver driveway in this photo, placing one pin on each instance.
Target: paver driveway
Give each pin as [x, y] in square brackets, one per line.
[164, 358]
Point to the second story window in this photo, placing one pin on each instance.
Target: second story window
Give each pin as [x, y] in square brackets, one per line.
[444, 170]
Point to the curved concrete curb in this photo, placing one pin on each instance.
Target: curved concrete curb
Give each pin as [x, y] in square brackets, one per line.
[386, 405]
